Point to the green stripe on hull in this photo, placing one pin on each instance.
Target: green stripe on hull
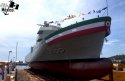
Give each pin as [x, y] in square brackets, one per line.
[79, 24]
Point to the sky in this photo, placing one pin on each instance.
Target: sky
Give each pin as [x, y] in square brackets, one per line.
[21, 25]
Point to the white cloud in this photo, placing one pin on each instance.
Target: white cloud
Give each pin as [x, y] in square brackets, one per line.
[21, 24]
[111, 42]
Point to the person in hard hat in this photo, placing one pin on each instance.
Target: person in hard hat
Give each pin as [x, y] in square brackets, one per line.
[1, 73]
[5, 72]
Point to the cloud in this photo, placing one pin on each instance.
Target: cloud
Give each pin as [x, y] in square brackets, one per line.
[21, 25]
[111, 42]
[118, 2]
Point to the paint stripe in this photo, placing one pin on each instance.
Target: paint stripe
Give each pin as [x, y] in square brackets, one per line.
[93, 25]
[95, 20]
[80, 33]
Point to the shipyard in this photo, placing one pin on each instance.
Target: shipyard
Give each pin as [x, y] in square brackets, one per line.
[52, 40]
[24, 73]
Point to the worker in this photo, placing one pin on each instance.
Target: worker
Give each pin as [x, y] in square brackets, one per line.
[1, 72]
[5, 72]
[10, 68]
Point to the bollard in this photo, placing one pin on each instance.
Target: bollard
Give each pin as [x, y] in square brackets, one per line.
[16, 75]
[8, 78]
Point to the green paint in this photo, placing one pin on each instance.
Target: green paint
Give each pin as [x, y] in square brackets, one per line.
[100, 19]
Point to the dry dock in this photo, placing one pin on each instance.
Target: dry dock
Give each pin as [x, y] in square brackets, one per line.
[33, 75]
[117, 76]
[28, 75]
[24, 75]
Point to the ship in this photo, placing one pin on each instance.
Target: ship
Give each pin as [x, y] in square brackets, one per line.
[74, 50]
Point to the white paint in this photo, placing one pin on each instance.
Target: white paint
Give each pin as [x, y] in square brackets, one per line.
[93, 25]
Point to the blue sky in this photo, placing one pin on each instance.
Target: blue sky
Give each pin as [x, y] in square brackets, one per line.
[21, 26]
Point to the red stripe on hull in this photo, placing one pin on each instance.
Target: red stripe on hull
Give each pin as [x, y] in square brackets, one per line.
[78, 70]
[79, 33]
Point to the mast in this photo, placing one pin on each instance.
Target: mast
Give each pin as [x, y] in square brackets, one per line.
[16, 50]
[107, 6]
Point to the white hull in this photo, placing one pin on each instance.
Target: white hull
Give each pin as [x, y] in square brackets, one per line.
[75, 48]
[73, 51]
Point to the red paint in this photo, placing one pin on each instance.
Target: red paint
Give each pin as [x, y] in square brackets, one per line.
[79, 33]
[79, 70]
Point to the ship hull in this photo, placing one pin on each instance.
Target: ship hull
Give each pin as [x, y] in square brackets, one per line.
[74, 51]
[80, 47]
[79, 41]
[86, 69]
